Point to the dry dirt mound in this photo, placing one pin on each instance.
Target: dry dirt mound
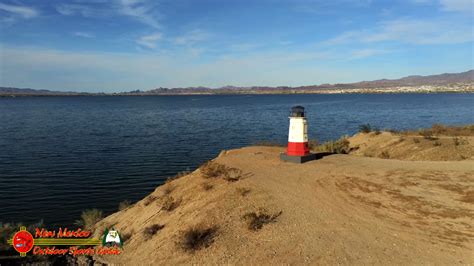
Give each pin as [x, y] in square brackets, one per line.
[412, 147]
[248, 207]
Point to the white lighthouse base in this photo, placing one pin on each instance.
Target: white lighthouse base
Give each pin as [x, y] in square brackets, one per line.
[298, 159]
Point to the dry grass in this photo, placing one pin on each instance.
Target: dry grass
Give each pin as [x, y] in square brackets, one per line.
[443, 130]
[384, 155]
[256, 220]
[169, 203]
[198, 237]
[89, 218]
[340, 146]
[177, 176]
[468, 197]
[148, 200]
[268, 144]
[124, 205]
[151, 230]
[215, 170]
[207, 186]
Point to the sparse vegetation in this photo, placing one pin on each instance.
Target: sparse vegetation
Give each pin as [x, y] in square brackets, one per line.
[427, 134]
[207, 186]
[243, 191]
[415, 140]
[214, 170]
[169, 203]
[436, 143]
[124, 205]
[198, 237]
[339, 146]
[256, 220]
[89, 218]
[149, 200]
[384, 155]
[125, 237]
[151, 230]
[365, 128]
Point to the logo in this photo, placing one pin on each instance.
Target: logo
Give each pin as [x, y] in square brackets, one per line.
[78, 242]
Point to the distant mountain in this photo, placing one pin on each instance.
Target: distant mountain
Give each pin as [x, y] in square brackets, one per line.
[446, 79]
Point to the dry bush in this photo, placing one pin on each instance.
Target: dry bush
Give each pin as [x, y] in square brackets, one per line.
[89, 218]
[214, 170]
[149, 200]
[151, 230]
[415, 140]
[198, 237]
[232, 174]
[167, 189]
[365, 128]
[124, 205]
[256, 220]
[207, 186]
[169, 203]
[427, 134]
[384, 155]
[436, 143]
[439, 129]
[125, 237]
[243, 191]
[340, 146]
[313, 144]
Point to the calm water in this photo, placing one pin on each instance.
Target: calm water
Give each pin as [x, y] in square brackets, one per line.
[60, 155]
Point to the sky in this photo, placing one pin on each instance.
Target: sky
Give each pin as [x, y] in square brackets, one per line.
[123, 45]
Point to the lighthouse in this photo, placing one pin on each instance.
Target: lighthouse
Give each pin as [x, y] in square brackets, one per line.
[298, 149]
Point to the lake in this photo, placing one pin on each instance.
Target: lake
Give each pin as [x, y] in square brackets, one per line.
[61, 155]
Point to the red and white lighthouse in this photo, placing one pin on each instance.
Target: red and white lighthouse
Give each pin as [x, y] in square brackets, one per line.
[298, 149]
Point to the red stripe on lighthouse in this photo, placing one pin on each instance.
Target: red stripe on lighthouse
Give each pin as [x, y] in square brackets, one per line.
[298, 148]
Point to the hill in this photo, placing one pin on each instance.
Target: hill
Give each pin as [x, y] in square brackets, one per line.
[248, 207]
[448, 82]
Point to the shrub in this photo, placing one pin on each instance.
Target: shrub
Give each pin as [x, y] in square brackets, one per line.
[124, 205]
[178, 175]
[232, 174]
[456, 141]
[151, 230]
[198, 237]
[339, 146]
[89, 218]
[365, 128]
[212, 170]
[207, 186]
[256, 220]
[384, 155]
[169, 203]
[149, 200]
[427, 134]
[436, 143]
[415, 140]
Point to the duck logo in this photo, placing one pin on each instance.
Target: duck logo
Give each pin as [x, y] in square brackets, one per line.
[111, 238]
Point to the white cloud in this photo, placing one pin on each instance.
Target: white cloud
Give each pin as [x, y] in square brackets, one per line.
[149, 41]
[412, 31]
[191, 37]
[143, 11]
[83, 34]
[364, 53]
[458, 5]
[21, 11]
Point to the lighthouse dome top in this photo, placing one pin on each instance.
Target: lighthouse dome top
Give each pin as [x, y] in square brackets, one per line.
[297, 111]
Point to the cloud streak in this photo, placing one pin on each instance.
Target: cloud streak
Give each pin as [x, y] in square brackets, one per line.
[18, 11]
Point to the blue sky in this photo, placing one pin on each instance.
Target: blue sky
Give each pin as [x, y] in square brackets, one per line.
[121, 45]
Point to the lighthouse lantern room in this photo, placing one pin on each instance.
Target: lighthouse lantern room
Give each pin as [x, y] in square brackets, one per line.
[298, 149]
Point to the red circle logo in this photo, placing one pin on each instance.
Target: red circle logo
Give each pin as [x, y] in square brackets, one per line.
[23, 241]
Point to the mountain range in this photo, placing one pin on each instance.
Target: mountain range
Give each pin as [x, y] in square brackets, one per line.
[446, 79]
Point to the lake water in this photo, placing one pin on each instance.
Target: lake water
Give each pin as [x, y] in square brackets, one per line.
[61, 155]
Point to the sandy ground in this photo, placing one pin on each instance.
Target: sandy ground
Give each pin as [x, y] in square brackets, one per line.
[341, 209]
